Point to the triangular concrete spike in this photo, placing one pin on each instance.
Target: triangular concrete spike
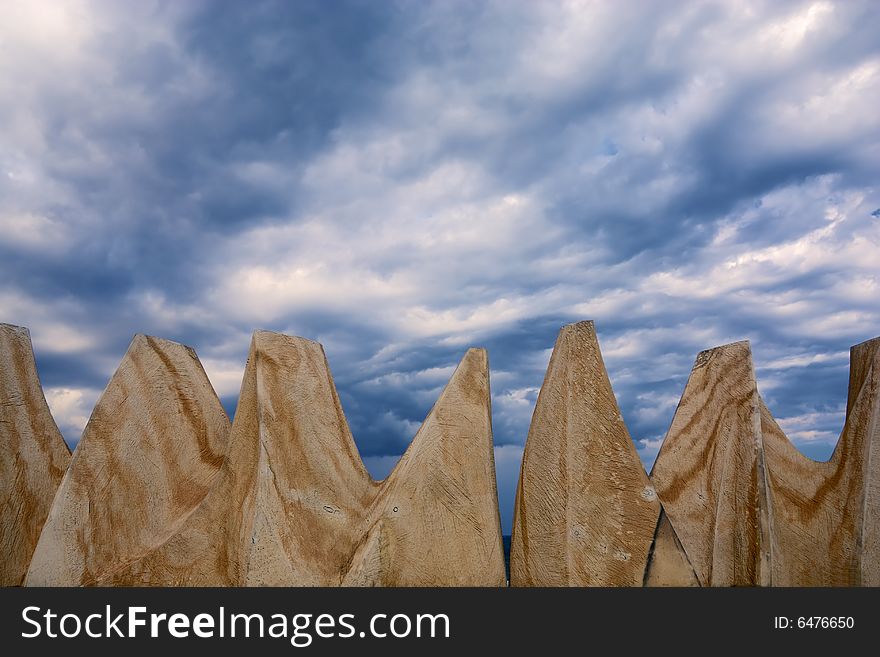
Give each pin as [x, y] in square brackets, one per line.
[863, 424]
[295, 506]
[826, 515]
[439, 506]
[312, 485]
[149, 454]
[586, 511]
[668, 564]
[290, 490]
[710, 475]
[33, 455]
[863, 357]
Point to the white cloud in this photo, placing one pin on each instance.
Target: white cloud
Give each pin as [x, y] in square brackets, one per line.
[380, 467]
[686, 174]
[71, 409]
[649, 449]
[515, 406]
[34, 232]
[225, 375]
[655, 407]
[803, 428]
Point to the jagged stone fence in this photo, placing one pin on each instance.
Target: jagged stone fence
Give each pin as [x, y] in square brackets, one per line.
[163, 490]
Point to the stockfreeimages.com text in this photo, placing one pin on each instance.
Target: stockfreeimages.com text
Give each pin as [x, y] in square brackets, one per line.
[300, 629]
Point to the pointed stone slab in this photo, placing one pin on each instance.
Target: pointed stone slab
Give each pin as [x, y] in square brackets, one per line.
[294, 505]
[826, 515]
[148, 456]
[586, 512]
[709, 473]
[435, 521]
[33, 455]
[312, 487]
[291, 492]
[863, 424]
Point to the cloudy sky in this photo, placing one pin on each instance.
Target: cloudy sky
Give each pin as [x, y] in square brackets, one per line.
[401, 180]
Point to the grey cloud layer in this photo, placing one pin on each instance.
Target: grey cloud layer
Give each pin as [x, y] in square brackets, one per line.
[402, 180]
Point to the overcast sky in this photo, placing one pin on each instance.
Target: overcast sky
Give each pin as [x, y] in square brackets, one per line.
[402, 180]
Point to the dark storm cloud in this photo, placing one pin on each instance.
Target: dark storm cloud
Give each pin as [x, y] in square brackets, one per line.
[400, 181]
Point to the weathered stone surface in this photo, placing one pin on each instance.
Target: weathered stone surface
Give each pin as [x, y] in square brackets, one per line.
[287, 428]
[295, 506]
[863, 424]
[668, 565]
[710, 472]
[748, 507]
[435, 521]
[33, 455]
[824, 515]
[149, 454]
[586, 512]
[155, 494]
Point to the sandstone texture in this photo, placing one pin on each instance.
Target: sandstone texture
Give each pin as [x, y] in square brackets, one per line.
[149, 454]
[33, 455]
[293, 504]
[162, 490]
[586, 512]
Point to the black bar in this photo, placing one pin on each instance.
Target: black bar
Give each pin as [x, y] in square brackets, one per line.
[599, 621]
